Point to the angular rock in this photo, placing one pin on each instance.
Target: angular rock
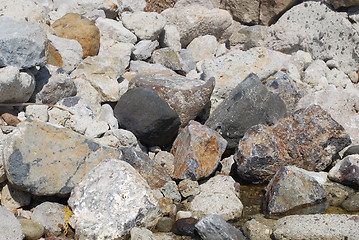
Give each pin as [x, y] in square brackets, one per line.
[200, 51]
[291, 191]
[115, 31]
[165, 224]
[270, 10]
[318, 226]
[346, 171]
[220, 184]
[185, 96]
[10, 227]
[307, 139]
[256, 230]
[205, 3]
[70, 155]
[143, 112]
[248, 104]
[245, 11]
[170, 37]
[181, 61]
[145, 25]
[111, 200]
[195, 21]
[197, 151]
[144, 49]
[145, 68]
[15, 86]
[74, 26]
[141, 233]
[166, 161]
[188, 188]
[12, 198]
[336, 193]
[125, 138]
[352, 150]
[214, 227]
[22, 44]
[37, 113]
[351, 204]
[170, 190]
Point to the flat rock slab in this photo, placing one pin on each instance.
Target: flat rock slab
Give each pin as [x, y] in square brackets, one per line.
[326, 226]
[43, 159]
[22, 44]
[307, 139]
[197, 151]
[346, 171]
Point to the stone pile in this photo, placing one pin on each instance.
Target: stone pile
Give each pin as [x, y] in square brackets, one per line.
[141, 119]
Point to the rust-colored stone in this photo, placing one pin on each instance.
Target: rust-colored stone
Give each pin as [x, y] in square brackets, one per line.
[197, 151]
[159, 5]
[54, 56]
[10, 119]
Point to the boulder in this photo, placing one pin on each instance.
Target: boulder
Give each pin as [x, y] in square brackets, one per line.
[346, 171]
[250, 103]
[245, 11]
[22, 44]
[307, 139]
[197, 151]
[179, 61]
[141, 111]
[111, 200]
[10, 227]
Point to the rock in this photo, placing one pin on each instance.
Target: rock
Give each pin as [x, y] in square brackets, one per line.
[307, 139]
[145, 25]
[74, 26]
[183, 214]
[15, 86]
[327, 35]
[115, 31]
[185, 227]
[144, 49]
[352, 150]
[185, 96]
[111, 200]
[165, 224]
[208, 4]
[145, 68]
[243, 11]
[143, 112]
[197, 151]
[70, 155]
[102, 72]
[170, 37]
[166, 161]
[346, 3]
[159, 6]
[195, 21]
[31, 229]
[51, 216]
[70, 52]
[214, 227]
[255, 230]
[188, 188]
[14, 36]
[10, 120]
[174, 60]
[124, 138]
[200, 51]
[10, 227]
[141, 234]
[326, 226]
[133, 5]
[336, 193]
[220, 184]
[346, 171]
[351, 204]
[37, 113]
[232, 68]
[270, 10]
[227, 164]
[315, 75]
[293, 191]
[170, 190]
[167, 206]
[248, 104]
[12, 198]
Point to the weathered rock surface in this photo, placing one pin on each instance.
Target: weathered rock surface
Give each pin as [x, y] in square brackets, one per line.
[256, 230]
[133, 5]
[326, 226]
[10, 227]
[22, 44]
[74, 26]
[185, 96]
[346, 3]
[291, 191]
[201, 51]
[115, 31]
[31, 229]
[351, 204]
[197, 151]
[12, 198]
[180, 61]
[245, 11]
[271, 9]
[250, 103]
[110, 200]
[188, 188]
[143, 112]
[69, 154]
[143, 49]
[307, 139]
[337, 193]
[346, 171]
[170, 37]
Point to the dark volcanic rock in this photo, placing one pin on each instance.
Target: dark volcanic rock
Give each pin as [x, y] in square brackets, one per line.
[143, 112]
[185, 227]
[346, 171]
[249, 103]
[307, 139]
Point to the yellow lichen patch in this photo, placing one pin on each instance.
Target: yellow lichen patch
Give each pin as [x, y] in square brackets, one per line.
[67, 215]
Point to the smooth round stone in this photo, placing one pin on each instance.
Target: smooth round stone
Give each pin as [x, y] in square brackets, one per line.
[165, 224]
[32, 230]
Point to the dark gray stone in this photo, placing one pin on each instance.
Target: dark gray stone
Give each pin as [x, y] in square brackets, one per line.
[346, 171]
[214, 227]
[185, 227]
[143, 112]
[352, 150]
[248, 104]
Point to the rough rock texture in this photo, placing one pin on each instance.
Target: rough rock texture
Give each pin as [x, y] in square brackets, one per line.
[143, 112]
[214, 227]
[70, 155]
[74, 26]
[197, 151]
[185, 96]
[202, 51]
[12, 198]
[188, 188]
[351, 204]
[256, 230]
[326, 226]
[307, 139]
[346, 171]
[343, 3]
[159, 6]
[144, 49]
[291, 190]
[180, 61]
[250, 103]
[170, 37]
[133, 5]
[115, 31]
[245, 11]
[271, 9]
[22, 44]
[10, 227]
[110, 200]
[336, 193]
[31, 229]
[195, 21]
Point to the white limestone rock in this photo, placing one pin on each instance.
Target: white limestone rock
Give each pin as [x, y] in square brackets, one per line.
[10, 227]
[143, 49]
[37, 113]
[201, 51]
[170, 37]
[133, 5]
[114, 30]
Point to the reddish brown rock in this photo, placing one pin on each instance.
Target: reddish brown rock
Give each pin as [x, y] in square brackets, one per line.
[270, 10]
[197, 151]
[307, 139]
[10, 119]
[185, 96]
[77, 27]
[54, 56]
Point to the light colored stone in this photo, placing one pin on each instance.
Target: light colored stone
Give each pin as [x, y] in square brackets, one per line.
[188, 188]
[183, 214]
[16, 86]
[204, 3]
[10, 227]
[145, 25]
[181, 61]
[201, 51]
[144, 49]
[31, 229]
[111, 200]
[144, 68]
[166, 160]
[170, 37]
[125, 138]
[37, 113]
[115, 31]
[315, 75]
[220, 184]
[170, 190]
[133, 5]
[12, 198]
[141, 234]
[106, 115]
[227, 165]
[96, 128]
[255, 230]
[89, 94]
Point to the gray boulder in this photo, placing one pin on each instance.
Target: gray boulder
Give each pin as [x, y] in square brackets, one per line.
[10, 227]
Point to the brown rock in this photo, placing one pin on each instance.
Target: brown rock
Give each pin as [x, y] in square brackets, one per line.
[159, 5]
[197, 150]
[54, 56]
[270, 10]
[244, 11]
[10, 119]
[77, 27]
[185, 96]
[307, 139]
